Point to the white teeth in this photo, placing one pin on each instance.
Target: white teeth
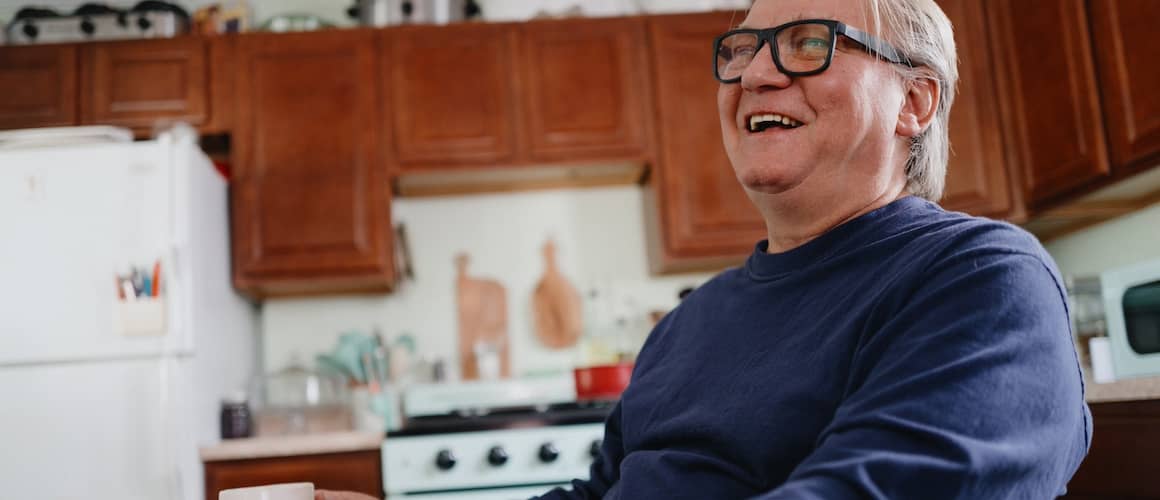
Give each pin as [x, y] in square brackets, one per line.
[769, 117]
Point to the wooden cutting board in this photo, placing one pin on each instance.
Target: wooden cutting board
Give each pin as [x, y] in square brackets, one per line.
[482, 309]
[556, 306]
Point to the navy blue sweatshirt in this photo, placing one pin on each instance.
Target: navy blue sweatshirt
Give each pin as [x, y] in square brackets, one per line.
[911, 353]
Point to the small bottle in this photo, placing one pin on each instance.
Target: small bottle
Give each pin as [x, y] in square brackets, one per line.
[236, 421]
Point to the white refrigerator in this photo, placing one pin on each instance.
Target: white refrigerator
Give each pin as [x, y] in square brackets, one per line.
[104, 397]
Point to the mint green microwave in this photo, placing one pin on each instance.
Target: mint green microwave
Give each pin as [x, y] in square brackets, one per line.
[1132, 305]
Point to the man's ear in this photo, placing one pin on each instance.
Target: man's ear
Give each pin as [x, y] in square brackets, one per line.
[918, 108]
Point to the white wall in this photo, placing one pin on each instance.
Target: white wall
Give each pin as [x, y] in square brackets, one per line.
[1125, 240]
[335, 10]
[600, 242]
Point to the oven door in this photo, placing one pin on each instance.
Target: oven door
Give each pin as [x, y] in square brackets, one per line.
[516, 493]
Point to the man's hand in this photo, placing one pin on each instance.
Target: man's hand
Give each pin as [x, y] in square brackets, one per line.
[341, 495]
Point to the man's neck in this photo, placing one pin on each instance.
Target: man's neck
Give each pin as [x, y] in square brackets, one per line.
[793, 223]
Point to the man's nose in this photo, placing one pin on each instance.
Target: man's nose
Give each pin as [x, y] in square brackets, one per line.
[762, 72]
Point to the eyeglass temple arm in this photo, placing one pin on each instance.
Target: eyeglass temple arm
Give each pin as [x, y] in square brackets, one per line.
[875, 44]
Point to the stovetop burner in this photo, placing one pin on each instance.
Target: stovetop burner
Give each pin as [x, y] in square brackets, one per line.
[585, 412]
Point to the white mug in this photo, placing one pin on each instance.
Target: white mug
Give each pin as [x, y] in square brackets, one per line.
[284, 491]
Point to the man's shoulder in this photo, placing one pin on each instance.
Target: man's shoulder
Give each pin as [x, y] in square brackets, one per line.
[957, 233]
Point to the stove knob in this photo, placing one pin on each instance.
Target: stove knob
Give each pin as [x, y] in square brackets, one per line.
[445, 460]
[30, 30]
[87, 27]
[548, 453]
[594, 449]
[144, 23]
[497, 456]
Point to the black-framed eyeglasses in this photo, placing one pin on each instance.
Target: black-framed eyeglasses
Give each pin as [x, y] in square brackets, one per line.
[799, 48]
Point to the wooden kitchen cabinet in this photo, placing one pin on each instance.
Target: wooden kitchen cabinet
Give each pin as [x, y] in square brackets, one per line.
[310, 197]
[699, 216]
[38, 86]
[978, 179]
[359, 471]
[1126, 52]
[452, 94]
[585, 88]
[142, 83]
[1051, 102]
[487, 95]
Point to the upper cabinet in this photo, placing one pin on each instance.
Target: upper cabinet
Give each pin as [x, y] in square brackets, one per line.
[700, 216]
[1126, 55]
[1051, 103]
[584, 89]
[142, 83]
[38, 86]
[310, 196]
[452, 94]
[517, 94]
[978, 180]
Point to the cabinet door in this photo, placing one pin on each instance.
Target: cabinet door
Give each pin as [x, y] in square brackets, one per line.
[1052, 110]
[705, 218]
[453, 98]
[1127, 53]
[584, 88]
[977, 179]
[358, 471]
[140, 83]
[38, 86]
[310, 194]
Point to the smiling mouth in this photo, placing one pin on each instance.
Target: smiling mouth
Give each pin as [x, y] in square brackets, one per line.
[762, 122]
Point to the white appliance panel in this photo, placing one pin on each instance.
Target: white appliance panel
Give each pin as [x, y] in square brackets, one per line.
[97, 431]
[409, 461]
[70, 219]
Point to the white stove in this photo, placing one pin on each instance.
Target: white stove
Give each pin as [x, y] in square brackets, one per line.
[503, 441]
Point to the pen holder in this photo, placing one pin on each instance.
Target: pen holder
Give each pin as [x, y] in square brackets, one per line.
[142, 317]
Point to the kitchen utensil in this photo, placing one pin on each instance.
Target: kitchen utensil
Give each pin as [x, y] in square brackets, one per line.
[602, 382]
[556, 305]
[482, 315]
[283, 491]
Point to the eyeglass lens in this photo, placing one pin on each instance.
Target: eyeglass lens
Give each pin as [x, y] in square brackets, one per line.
[801, 48]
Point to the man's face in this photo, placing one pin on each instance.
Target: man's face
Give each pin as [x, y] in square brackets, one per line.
[848, 112]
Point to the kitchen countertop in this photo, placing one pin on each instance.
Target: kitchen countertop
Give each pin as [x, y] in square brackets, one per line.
[281, 446]
[1129, 389]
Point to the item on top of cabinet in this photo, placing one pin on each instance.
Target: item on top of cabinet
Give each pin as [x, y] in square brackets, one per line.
[296, 400]
[236, 419]
[482, 313]
[92, 21]
[285, 23]
[556, 305]
[379, 13]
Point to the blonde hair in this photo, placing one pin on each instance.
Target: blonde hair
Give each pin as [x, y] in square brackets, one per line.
[922, 32]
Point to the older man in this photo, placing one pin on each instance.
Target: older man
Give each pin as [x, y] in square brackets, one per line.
[874, 346]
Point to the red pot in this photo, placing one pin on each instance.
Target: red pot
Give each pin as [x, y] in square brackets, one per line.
[602, 382]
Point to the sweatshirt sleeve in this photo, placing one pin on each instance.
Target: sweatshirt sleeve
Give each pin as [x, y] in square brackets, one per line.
[605, 468]
[970, 388]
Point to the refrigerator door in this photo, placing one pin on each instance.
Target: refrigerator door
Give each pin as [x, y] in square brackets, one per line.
[71, 219]
[95, 430]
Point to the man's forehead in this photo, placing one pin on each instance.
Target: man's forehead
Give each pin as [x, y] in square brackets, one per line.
[770, 13]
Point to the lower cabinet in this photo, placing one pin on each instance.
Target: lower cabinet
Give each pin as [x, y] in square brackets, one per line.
[1125, 437]
[359, 471]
